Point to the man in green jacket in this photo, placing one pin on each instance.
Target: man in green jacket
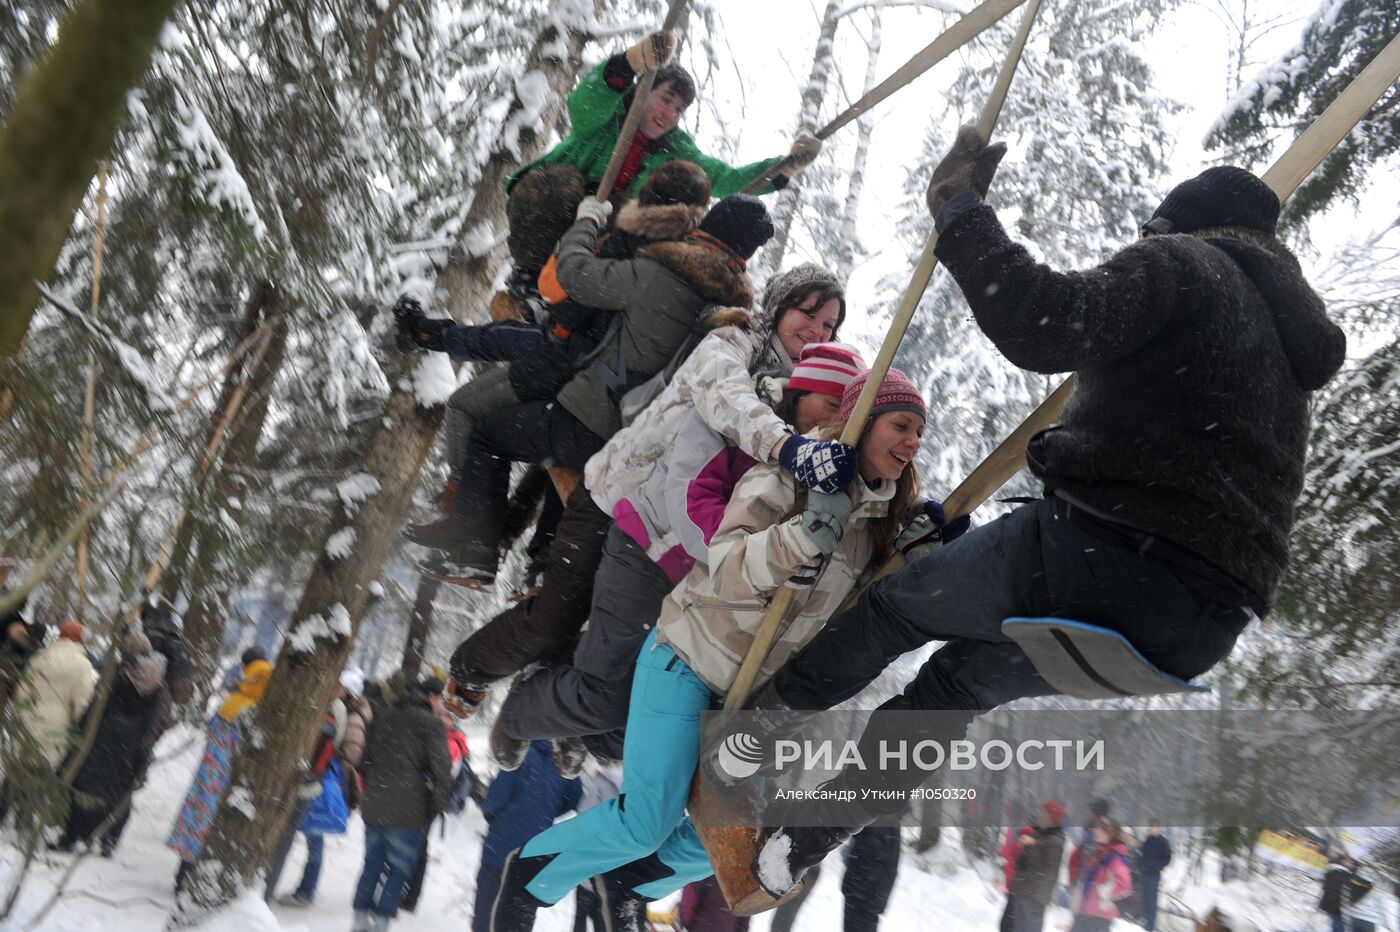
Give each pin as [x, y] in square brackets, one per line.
[545, 193]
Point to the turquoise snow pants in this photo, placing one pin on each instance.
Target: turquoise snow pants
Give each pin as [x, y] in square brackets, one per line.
[647, 820]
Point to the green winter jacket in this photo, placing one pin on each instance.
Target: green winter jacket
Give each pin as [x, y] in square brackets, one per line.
[596, 112]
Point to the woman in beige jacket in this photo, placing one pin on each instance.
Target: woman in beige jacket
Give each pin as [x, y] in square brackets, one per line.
[772, 535]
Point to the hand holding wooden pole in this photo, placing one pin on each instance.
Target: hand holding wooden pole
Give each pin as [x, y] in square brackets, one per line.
[634, 113]
[976, 22]
[855, 425]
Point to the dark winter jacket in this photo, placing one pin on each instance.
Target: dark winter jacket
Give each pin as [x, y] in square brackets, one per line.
[1038, 865]
[130, 727]
[523, 802]
[406, 768]
[14, 657]
[1154, 854]
[544, 373]
[1337, 886]
[179, 665]
[1196, 356]
[660, 294]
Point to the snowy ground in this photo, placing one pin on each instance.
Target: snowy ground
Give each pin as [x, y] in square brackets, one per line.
[132, 891]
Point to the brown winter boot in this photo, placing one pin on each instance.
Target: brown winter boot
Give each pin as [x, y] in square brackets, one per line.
[505, 307]
[447, 498]
[437, 534]
[462, 700]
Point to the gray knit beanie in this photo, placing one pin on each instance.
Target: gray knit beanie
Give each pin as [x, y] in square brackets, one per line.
[786, 289]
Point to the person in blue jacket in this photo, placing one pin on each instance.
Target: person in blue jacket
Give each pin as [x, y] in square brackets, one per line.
[520, 804]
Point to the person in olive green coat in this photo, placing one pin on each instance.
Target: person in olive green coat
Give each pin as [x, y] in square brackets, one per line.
[545, 193]
[657, 299]
[408, 780]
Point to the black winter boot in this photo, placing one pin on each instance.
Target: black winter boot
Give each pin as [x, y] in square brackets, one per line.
[789, 853]
[515, 907]
[569, 755]
[623, 909]
[508, 751]
[465, 565]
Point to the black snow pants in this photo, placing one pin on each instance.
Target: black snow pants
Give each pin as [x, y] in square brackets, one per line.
[1037, 561]
[546, 624]
[589, 697]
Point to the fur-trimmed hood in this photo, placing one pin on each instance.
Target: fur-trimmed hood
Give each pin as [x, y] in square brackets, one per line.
[660, 221]
[727, 317]
[715, 275]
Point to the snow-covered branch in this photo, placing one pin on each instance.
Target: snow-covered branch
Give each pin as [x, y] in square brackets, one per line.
[942, 6]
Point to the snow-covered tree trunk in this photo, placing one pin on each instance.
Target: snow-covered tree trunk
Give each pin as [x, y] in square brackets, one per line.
[420, 625]
[197, 567]
[374, 501]
[813, 96]
[865, 124]
[64, 119]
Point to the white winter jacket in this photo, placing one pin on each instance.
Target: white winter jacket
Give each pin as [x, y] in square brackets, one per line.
[711, 618]
[666, 478]
[57, 686]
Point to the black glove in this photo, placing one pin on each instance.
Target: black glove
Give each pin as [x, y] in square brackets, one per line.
[416, 329]
[769, 719]
[968, 166]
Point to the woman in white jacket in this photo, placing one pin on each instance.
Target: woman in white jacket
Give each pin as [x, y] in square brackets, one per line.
[661, 529]
[800, 306]
[773, 534]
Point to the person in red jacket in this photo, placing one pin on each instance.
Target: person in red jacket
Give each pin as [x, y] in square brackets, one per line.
[1099, 877]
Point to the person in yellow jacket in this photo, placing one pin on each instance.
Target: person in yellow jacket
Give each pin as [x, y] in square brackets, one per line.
[211, 779]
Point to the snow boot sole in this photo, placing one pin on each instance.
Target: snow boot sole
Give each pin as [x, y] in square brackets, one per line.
[760, 900]
[434, 570]
[569, 755]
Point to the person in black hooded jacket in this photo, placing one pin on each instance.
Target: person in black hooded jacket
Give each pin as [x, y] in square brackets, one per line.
[1170, 480]
[137, 713]
[19, 641]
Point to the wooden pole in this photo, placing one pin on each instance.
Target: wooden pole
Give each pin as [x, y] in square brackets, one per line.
[634, 113]
[1340, 117]
[157, 567]
[855, 425]
[976, 22]
[90, 391]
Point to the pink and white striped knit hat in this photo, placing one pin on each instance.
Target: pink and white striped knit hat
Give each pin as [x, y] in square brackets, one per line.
[826, 368]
